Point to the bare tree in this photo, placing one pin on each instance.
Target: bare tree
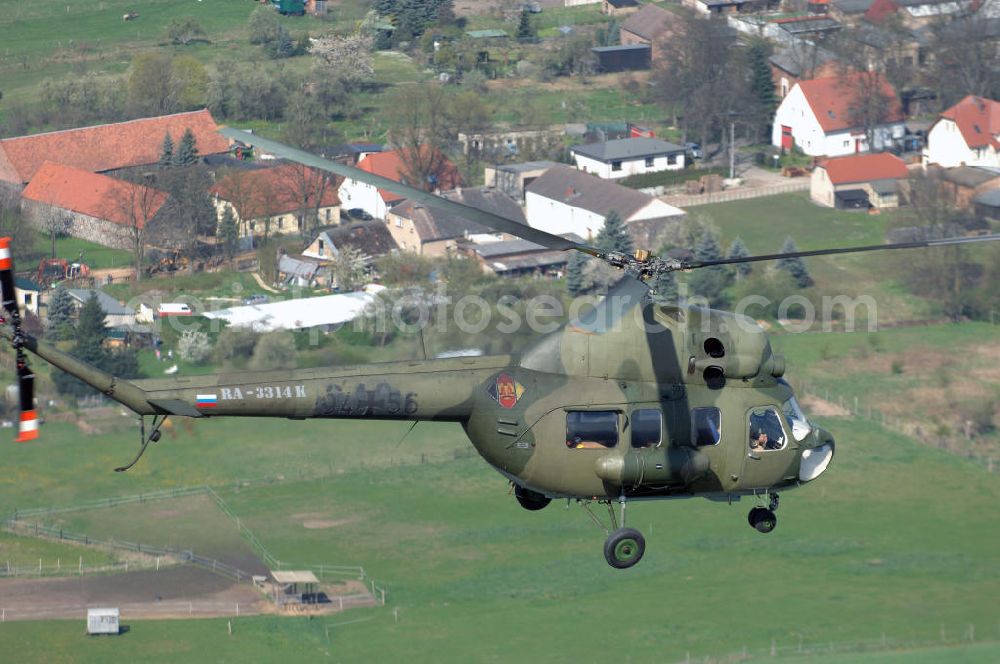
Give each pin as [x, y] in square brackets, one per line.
[419, 130]
[248, 197]
[56, 224]
[136, 204]
[306, 187]
[872, 103]
[966, 51]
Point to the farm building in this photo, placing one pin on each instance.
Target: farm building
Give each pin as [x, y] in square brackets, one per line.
[512, 179]
[628, 156]
[116, 314]
[869, 180]
[103, 621]
[632, 57]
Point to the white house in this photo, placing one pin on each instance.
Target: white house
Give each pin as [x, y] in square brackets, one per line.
[821, 117]
[565, 200]
[628, 156]
[967, 134]
[376, 202]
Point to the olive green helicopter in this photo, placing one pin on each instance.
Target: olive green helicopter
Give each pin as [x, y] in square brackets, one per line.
[634, 400]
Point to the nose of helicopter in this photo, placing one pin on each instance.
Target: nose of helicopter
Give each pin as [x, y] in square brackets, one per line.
[816, 459]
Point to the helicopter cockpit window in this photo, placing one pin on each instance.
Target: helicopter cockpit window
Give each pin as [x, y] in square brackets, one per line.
[591, 429]
[766, 433]
[647, 427]
[707, 427]
[800, 424]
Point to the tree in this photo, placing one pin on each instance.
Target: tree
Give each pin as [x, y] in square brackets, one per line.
[526, 31]
[235, 343]
[194, 346]
[190, 81]
[228, 232]
[167, 151]
[347, 58]
[91, 331]
[187, 150]
[263, 26]
[872, 104]
[274, 350]
[965, 56]
[183, 30]
[614, 235]
[59, 324]
[56, 224]
[574, 273]
[762, 86]
[739, 250]
[796, 267]
[348, 269]
[665, 287]
[420, 131]
[150, 89]
[710, 282]
[137, 204]
[307, 187]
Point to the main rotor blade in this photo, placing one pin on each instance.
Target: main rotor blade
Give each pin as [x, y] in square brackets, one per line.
[488, 219]
[921, 244]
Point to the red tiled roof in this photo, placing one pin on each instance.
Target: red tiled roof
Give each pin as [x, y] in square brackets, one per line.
[93, 194]
[390, 165]
[880, 10]
[274, 191]
[864, 168]
[831, 99]
[107, 147]
[978, 119]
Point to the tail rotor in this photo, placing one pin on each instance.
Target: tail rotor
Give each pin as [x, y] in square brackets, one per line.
[28, 426]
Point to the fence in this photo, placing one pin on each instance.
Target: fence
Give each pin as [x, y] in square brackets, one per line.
[59, 569]
[685, 201]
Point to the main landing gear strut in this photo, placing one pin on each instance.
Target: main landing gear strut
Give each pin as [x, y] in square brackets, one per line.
[763, 518]
[624, 546]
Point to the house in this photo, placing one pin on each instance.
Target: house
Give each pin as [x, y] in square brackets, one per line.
[519, 257]
[630, 57]
[965, 183]
[275, 201]
[375, 201]
[502, 144]
[98, 208]
[967, 134]
[720, 7]
[628, 156]
[565, 200]
[296, 271]
[619, 7]
[27, 293]
[801, 60]
[369, 238]
[876, 175]
[512, 179]
[650, 26]
[987, 205]
[116, 315]
[824, 116]
[433, 232]
[107, 147]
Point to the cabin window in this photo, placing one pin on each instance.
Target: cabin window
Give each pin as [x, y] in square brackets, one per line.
[766, 433]
[707, 426]
[591, 429]
[647, 427]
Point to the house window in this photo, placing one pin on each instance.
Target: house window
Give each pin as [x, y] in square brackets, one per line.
[281, 223]
[27, 299]
[649, 161]
[671, 159]
[321, 247]
[616, 165]
[399, 222]
[328, 214]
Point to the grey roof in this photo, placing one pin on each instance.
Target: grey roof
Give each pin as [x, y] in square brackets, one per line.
[297, 268]
[529, 261]
[883, 187]
[627, 148]
[820, 23]
[622, 4]
[526, 166]
[794, 60]
[371, 238]
[853, 6]
[625, 48]
[432, 224]
[109, 305]
[969, 176]
[588, 192]
[650, 21]
[990, 197]
[512, 247]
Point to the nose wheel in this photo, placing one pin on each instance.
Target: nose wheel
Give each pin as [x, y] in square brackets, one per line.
[763, 519]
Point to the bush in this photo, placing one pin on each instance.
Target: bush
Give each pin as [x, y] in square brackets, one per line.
[274, 350]
[194, 346]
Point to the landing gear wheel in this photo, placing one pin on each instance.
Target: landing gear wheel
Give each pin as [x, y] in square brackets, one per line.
[530, 500]
[624, 548]
[762, 519]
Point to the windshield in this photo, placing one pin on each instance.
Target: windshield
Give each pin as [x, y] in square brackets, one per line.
[800, 424]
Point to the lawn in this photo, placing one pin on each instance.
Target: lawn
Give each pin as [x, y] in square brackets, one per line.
[73, 249]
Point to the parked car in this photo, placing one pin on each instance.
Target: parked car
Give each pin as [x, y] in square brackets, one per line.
[256, 299]
[694, 149]
[358, 213]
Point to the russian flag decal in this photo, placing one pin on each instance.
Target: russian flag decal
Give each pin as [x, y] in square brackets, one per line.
[207, 401]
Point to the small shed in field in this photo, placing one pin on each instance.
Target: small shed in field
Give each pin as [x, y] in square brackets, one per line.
[299, 586]
[103, 621]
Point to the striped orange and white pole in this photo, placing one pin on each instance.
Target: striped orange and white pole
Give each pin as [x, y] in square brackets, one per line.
[28, 429]
[5, 261]
[7, 277]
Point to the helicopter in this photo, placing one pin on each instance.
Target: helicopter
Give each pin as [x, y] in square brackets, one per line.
[633, 400]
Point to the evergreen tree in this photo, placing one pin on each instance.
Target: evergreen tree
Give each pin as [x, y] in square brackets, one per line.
[167, 151]
[762, 83]
[228, 232]
[794, 266]
[526, 29]
[187, 150]
[574, 273]
[710, 282]
[59, 325]
[665, 288]
[739, 250]
[614, 236]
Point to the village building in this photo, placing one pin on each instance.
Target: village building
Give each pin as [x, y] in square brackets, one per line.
[628, 156]
[619, 7]
[967, 134]
[965, 183]
[519, 257]
[565, 200]
[866, 180]
[276, 201]
[108, 147]
[370, 239]
[375, 201]
[630, 57]
[649, 26]
[512, 179]
[116, 314]
[94, 207]
[427, 231]
[27, 294]
[820, 117]
[801, 61]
